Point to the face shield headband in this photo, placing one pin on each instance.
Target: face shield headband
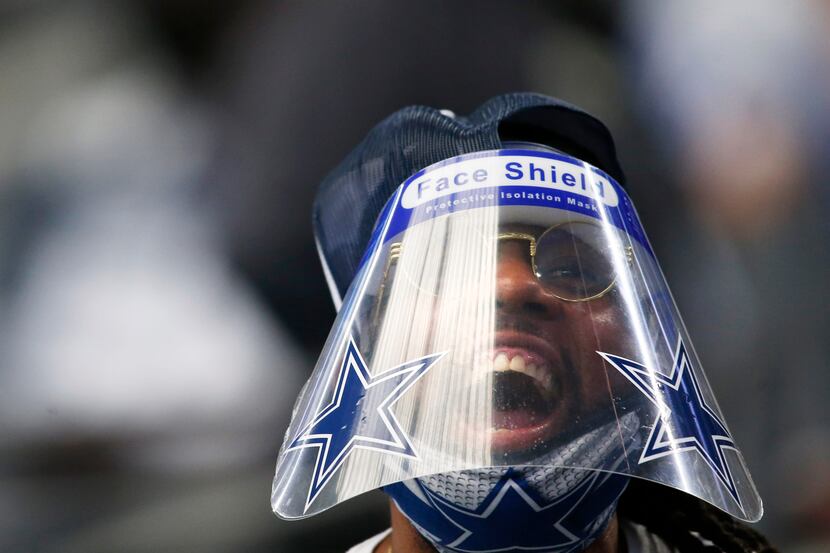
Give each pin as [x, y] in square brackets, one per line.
[508, 305]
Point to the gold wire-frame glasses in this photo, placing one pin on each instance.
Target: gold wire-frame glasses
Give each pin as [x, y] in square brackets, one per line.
[395, 250]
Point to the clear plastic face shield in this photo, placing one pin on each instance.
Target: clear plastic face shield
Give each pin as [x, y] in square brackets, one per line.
[509, 310]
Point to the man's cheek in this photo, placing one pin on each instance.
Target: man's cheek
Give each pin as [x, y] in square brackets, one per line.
[608, 328]
[612, 334]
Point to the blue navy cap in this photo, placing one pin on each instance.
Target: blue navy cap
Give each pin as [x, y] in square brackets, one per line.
[351, 197]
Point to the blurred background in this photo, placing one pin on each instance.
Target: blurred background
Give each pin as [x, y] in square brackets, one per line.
[161, 301]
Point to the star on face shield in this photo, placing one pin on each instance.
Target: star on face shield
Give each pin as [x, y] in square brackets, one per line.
[508, 309]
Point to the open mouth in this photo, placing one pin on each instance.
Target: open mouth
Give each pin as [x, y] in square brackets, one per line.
[523, 392]
[527, 399]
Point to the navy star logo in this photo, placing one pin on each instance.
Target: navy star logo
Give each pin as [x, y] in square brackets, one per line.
[511, 506]
[359, 415]
[685, 422]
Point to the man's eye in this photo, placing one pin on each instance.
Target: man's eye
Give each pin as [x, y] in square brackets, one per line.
[575, 273]
[562, 268]
[566, 272]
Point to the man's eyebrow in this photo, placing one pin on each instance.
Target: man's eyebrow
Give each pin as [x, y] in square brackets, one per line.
[535, 230]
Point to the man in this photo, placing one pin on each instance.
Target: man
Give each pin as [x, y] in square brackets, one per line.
[507, 356]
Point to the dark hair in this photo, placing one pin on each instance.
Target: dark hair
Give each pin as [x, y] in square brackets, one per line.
[686, 522]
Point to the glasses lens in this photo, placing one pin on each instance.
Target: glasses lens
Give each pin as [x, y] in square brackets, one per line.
[573, 261]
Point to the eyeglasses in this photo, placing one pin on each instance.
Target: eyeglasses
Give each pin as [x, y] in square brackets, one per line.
[572, 261]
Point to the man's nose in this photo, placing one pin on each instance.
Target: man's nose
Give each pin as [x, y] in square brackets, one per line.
[518, 290]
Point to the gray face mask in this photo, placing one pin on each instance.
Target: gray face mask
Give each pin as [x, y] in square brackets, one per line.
[535, 507]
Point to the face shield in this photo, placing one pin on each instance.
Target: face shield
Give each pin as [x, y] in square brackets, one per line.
[508, 312]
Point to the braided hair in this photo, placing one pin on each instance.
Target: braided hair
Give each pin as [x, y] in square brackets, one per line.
[688, 523]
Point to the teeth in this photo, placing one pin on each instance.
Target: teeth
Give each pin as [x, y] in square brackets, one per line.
[517, 364]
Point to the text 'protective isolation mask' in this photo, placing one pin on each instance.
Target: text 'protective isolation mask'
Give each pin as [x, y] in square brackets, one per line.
[508, 305]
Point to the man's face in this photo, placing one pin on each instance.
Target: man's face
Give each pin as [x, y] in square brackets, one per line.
[548, 380]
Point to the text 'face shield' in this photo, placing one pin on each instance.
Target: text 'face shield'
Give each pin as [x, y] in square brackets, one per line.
[509, 311]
